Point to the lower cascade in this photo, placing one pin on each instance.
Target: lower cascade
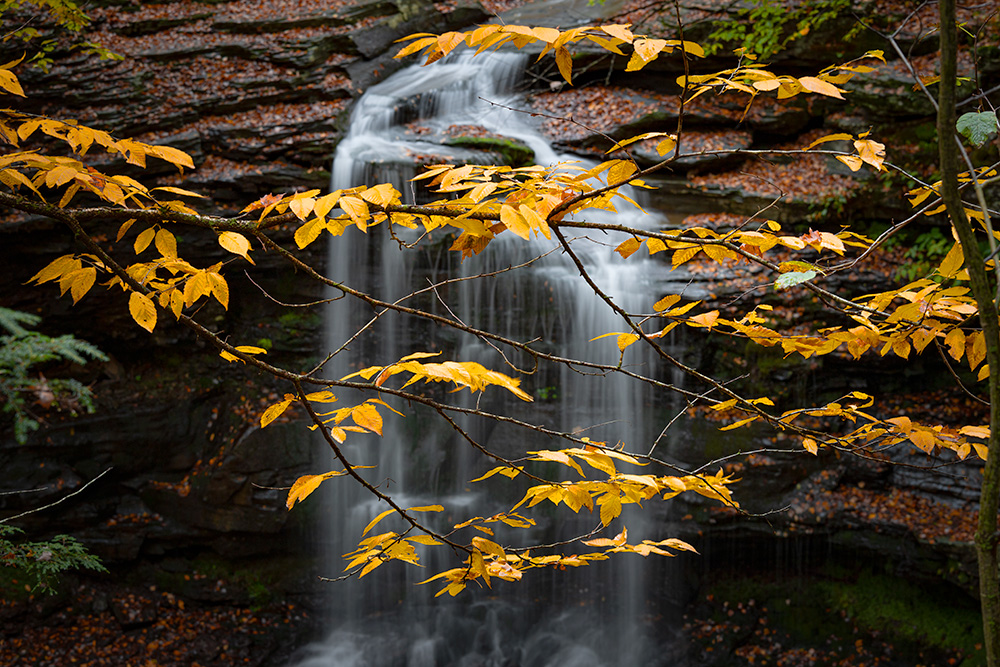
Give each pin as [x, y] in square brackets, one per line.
[616, 612]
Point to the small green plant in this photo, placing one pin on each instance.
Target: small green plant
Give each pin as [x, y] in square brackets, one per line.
[925, 253]
[766, 27]
[44, 561]
[21, 385]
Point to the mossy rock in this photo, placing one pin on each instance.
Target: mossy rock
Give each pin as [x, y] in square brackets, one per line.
[514, 153]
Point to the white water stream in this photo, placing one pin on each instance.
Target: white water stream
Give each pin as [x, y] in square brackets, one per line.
[596, 616]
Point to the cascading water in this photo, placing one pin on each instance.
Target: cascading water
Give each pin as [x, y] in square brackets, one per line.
[595, 616]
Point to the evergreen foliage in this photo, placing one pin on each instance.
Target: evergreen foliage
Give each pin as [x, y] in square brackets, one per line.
[21, 352]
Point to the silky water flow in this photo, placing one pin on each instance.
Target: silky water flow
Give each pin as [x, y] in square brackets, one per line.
[606, 614]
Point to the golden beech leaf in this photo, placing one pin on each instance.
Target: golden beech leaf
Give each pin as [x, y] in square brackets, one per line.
[513, 221]
[871, 152]
[172, 155]
[143, 310]
[144, 239]
[982, 432]
[166, 243]
[81, 281]
[628, 247]
[626, 339]
[56, 268]
[276, 410]
[245, 349]
[705, 319]
[903, 423]
[373, 522]
[306, 484]
[611, 506]
[814, 85]
[309, 232]
[564, 61]
[666, 302]
[955, 340]
[320, 396]
[975, 349]
[810, 446]
[9, 83]
[853, 161]
[742, 422]
[367, 416]
[953, 261]
[923, 440]
[236, 243]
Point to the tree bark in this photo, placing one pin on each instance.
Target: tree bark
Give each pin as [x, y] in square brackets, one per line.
[982, 290]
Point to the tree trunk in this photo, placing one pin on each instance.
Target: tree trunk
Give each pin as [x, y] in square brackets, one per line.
[982, 290]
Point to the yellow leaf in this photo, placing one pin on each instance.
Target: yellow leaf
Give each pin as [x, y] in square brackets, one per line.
[143, 310]
[923, 440]
[371, 524]
[219, 287]
[955, 340]
[666, 302]
[975, 349]
[871, 152]
[236, 243]
[56, 268]
[513, 221]
[611, 506]
[810, 446]
[852, 161]
[814, 85]
[628, 247]
[367, 416]
[124, 229]
[171, 155]
[620, 171]
[742, 422]
[144, 239]
[953, 261]
[166, 243]
[309, 232]
[626, 339]
[564, 61]
[318, 396]
[9, 83]
[274, 411]
[830, 137]
[306, 484]
[705, 319]
[81, 281]
[177, 191]
[903, 423]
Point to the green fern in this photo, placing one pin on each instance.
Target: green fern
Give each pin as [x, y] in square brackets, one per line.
[21, 351]
[44, 561]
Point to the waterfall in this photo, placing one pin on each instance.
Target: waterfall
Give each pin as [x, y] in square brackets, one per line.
[595, 616]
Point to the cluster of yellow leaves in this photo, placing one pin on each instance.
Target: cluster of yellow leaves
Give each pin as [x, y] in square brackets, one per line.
[379, 549]
[33, 170]
[488, 559]
[869, 151]
[753, 79]
[608, 37]
[470, 374]
[692, 242]
[172, 282]
[873, 431]
[493, 199]
[919, 195]
[619, 488]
